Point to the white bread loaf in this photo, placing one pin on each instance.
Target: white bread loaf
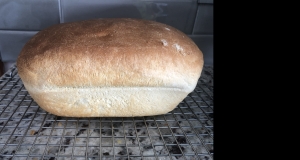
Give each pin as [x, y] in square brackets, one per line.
[109, 68]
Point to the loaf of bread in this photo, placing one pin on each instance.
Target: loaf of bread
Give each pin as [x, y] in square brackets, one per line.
[118, 67]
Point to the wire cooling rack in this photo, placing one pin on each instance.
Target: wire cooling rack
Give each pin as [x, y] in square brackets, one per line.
[28, 132]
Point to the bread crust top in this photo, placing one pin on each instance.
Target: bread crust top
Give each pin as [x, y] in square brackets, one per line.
[116, 52]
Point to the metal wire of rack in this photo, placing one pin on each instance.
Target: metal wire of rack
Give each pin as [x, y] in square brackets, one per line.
[29, 132]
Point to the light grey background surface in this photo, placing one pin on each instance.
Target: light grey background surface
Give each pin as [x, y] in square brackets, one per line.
[21, 19]
[28, 14]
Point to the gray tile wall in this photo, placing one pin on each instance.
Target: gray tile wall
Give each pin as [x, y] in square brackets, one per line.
[11, 43]
[20, 19]
[204, 20]
[178, 13]
[206, 1]
[28, 14]
[203, 30]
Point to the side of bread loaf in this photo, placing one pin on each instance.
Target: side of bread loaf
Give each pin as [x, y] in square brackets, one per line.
[110, 67]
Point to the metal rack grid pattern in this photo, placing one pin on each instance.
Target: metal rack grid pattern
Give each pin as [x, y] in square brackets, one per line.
[29, 132]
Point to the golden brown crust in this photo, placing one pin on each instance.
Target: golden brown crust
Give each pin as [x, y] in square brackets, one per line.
[110, 53]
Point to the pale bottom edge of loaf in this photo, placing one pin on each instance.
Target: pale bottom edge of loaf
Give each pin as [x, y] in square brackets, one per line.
[108, 102]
